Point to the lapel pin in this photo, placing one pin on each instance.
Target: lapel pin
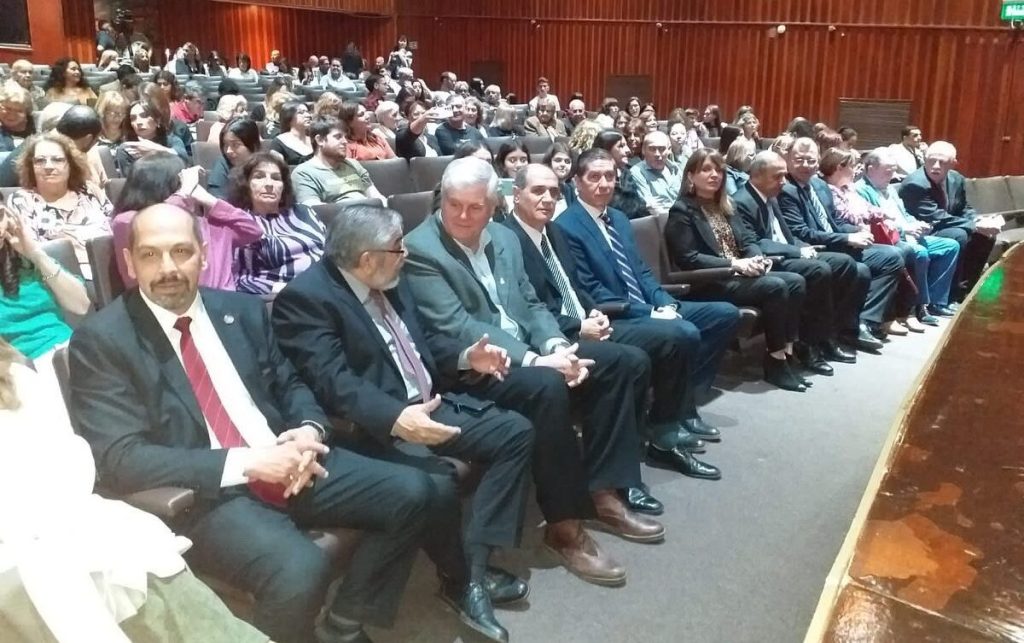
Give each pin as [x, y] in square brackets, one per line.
[501, 280]
[229, 319]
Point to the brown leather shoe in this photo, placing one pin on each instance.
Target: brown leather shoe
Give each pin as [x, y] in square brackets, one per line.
[581, 554]
[615, 517]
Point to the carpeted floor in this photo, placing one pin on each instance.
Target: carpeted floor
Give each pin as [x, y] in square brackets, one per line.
[746, 556]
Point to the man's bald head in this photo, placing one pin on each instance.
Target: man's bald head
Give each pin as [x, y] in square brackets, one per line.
[577, 111]
[21, 73]
[939, 159]
[165, 254]
[655, 149]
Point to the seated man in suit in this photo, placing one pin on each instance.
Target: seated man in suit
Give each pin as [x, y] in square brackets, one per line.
[609, 269]
[176, 385]
[935, 194]
[809, 211]
[835, 290]
[349, 326]
[467, 276]
[552, 272]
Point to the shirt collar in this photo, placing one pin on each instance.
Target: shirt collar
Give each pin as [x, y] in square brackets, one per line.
[166, 318]
[485, 238]
[591, 210]
[359, 289]
[760, 195]
[534, 234]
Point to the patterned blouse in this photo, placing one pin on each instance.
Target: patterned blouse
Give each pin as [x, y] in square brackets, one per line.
[852, 207]
[292, 241]
[723, 233]
[90, 217]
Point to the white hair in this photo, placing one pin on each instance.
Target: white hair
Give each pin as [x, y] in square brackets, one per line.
[469, 172]
[941, 148]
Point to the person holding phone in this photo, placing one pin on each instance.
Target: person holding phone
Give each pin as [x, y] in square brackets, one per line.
[412, 139]
[703, 232]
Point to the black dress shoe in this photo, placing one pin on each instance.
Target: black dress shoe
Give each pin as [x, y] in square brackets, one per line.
[777, 372]
[863, 340]
[689, 441]
[683, 462]
[833, 352]
[702, 429]
[921, 312]
[474, 609]
[794, 367]
[504, 587]
[941, 311]
[811, 359]
[640, 501]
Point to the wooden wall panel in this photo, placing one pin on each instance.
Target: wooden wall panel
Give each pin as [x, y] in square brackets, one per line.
[953, 60]
[46, 32]
[374, 7]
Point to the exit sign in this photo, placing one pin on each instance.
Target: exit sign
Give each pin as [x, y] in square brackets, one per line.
[1012, 10]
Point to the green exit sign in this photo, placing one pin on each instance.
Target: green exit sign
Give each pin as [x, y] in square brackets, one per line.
[1012, 10]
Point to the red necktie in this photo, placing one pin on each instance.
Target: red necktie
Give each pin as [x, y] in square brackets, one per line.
[412, 365]
[216, 415]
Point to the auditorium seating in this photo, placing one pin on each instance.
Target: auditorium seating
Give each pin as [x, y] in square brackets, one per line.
[427, 171]
[414, 208]
[390, 176]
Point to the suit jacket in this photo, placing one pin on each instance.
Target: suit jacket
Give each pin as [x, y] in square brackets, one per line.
[455, 304]
[691, 240]
[921, 197]
[325, 331]
[597, 271]
[543, 281]
[803, 223]
[132, 401]
[535, 127]
[756, 214]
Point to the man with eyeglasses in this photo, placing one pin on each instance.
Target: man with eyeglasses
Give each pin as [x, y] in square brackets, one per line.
[350, 327]
[335, 80]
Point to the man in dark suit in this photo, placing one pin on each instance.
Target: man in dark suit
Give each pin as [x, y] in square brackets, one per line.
[809, 211]
[835, 290]
[609, 269]
[349, 327]
[467, 275]
[935, 194]
[173, 385]
[552, 272]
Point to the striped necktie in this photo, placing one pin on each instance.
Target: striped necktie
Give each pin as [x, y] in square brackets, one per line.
[625, 270]
[819, 210]
[570, 304]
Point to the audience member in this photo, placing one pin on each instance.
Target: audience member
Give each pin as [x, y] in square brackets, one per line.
[510, 158]
[635, 131]
[737, 160]
[82, 125]
[334, 80]
[849, 138]
[146, 133]
[274, 65]
[800, 127]
[239, 139]
[293, 142]
[66, 84]
[21, 74]
[633, 107]
[192, 104]
[473, 115]
[48, 119]
[543, 91]
[543, 122]
[329, 104]
[492, 95]
[412, 138]
[387, 120]
[909, 152]
[364, 142]
[453, 132]
[576, 114]
[610, 107]
[504, 122]
[215, 64]
[168, 84]
[229, 107]
[266, 111]
[352, 61]
[712, 120]
[377, 88]
[122, 72]
[749, 126]
[560, 159]
[584, 134]
[15, 116]
[625, 196]
[657, 179]
[243, 69]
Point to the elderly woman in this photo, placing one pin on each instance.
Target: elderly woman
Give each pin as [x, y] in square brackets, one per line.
[364, 144]
[145, 132]
[66, 84]
[190, 105]
[162, 178]
[239, 140]
[583, 135]
[15, 116]
[412, 138]
[703, 232]
[473, 115]
[387, 119]
[112, 108]
[229, 107]
[935, 258]
[544, 123]
[292, 235]
[56, 198]
[837, 166]
[329, 104]
[626, 197]
[504, 122]
[293, 142]
[737, 162]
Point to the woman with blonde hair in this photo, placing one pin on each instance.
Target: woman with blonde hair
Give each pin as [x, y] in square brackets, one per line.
[583, 135]
[737, 161]
[230, 106]
[16, 122]
[329, 104]
[112, 108]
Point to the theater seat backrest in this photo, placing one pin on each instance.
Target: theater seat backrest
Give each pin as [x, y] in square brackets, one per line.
[106, 279]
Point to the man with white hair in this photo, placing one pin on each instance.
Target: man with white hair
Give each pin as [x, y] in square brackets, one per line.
[577, 114]
[935, 194]
[657, 179]
[492, 95]
[21, 73]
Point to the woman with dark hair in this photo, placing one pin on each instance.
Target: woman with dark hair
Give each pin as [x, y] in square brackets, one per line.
[741, 112]
[364, 144]
[179, 128]
[729, 134]
[703, 232]
[66, 84]
[412, 138]
[293, 142]
[146, 132]
[162, 178]
[635, 132]
[713, 120]
[626, 198]
[563, 163]
[352, 61]
[473, 115]
[214, 64]
[243, 69]
[610, 107]
[168, 84]
[292, 235]
[800, 127]
[511, 157]
[239, 140]
[401, 56]
[633, 107]
[621, 121]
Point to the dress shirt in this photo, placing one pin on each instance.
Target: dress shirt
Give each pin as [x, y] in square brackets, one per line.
[596, 215]
[657, 187]
[362, 293]
[778, 235]
[239, 405]
[568, 306]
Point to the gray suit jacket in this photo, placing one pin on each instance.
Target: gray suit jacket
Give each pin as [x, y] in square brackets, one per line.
[453, 302]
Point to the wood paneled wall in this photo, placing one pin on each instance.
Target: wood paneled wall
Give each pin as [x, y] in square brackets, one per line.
[374, 7]
[961, 69]
[46, 31]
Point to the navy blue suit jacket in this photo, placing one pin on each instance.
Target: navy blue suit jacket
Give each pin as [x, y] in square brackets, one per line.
[802, 222]
[757, 215]
[921, 198]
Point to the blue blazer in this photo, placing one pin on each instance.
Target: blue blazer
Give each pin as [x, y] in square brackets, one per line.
[597, 271]
[802, 222]
[921, 198]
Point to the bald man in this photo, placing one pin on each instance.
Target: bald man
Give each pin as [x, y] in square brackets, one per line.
[21, 73]
[657, 179]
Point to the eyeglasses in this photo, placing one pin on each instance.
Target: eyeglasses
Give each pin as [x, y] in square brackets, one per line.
[43, 161]
[808, 161]
[401, 251]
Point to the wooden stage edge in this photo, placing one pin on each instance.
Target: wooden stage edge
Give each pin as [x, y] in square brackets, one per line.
[838, 577]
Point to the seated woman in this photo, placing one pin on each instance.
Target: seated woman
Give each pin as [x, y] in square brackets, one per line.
[544, 123]
[635, 131]
[190, 106]
[214, 64]
[158, 98]
[67, 84]
[412, 139]
[712, 120]
[168, 84]
[737, 162]
[633, 107]
[162, 178]
[272, 112]
[264, 111]
[15, 116]
[243, 69]
[292, 236]
[329, 104]
[837, 166]
[112, 108]
[78, 567]
[583, 135]
[560, 159]
[750, 126]
[56, 198]
[626, 198]
[230, 106]
[511, 156]
[364, 144]
[145, 133]
[239, 140]
[504, 122]
[293, 142]
[387, 120]
[702, 232]
[473, 115]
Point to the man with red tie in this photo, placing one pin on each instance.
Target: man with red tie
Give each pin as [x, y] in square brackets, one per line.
[176, 385]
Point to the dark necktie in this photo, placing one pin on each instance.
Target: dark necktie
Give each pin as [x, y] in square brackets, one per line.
[410, 362]
[625, 271]
[569, 301]
[216, 415]
[818, 210]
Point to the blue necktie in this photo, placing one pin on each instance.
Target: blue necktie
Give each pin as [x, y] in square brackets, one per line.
[819, 210]
[625, 271]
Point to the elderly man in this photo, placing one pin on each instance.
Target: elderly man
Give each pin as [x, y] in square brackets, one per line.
[657, 179]
[835, 290]
[809, 211]
[176, 385]
[544, 123]
[334, 80]
[908, 154]
[330, 176]
[21, 73]
[935, 258]
[577, 114]
[552, 271]
[274, 65]
[935, 194]
[15, 116]
[468, 276]
[396, 392]
[311, 71]
[453, 132]
[492, 95]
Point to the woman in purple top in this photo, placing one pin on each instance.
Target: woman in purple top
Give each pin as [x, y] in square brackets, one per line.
[162, 178]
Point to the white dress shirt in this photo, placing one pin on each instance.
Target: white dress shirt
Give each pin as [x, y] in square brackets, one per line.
[778, 235]
[596, 215]
[568, 305]
[236, 399]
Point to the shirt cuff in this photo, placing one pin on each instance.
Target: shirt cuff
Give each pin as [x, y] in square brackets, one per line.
[235, 465]
[316, 425]
[550, 345]
[528, 358]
